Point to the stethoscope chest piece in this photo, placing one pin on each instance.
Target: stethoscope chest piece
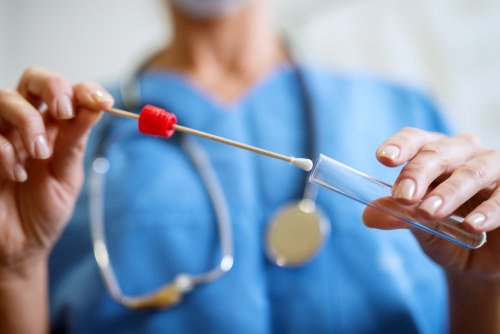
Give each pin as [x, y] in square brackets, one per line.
[296, 233]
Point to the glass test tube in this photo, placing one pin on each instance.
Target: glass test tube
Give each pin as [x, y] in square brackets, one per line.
[365, 189]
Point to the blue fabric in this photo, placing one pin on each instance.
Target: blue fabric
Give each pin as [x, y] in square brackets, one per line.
[160, 222]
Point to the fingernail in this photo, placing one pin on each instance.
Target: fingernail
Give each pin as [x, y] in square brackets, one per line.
[477, 219]
[42, 150]
[20, 173]
[43, 107]
[65, 107]
[431, 204]
[405, 189]
[390, 151]
[100, 97]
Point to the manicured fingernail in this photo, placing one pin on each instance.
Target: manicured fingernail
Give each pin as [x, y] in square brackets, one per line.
[20, 173]
[390, 151]
[42, 150]
[431, 204]
[405, 189]
[477, 219]
[43, 107]
[65, 107]
[100, 97]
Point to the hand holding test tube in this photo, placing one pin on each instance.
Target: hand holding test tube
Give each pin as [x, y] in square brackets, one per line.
[367, 190]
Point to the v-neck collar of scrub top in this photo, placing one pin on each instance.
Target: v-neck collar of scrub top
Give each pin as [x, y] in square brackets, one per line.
[162, 88]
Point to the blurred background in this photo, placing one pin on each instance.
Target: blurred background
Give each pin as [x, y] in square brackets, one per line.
[450, 48]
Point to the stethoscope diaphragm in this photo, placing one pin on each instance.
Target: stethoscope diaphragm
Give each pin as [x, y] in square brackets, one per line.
[296, 233]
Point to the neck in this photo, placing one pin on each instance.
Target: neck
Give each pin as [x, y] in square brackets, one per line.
[243, 46]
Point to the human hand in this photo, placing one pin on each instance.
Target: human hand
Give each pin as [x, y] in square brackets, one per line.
[447, 175]
[41, 155]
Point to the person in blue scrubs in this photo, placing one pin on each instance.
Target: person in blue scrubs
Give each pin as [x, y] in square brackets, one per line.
[226, 72]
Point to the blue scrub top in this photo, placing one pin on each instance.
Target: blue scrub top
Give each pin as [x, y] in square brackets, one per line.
[160, 222]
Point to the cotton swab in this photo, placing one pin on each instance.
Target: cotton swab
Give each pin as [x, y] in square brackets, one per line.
[159, 122]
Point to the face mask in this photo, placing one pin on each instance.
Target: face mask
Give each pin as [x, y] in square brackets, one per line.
[209, 8]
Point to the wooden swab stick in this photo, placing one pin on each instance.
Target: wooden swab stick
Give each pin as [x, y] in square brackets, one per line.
[122, 113]
[302, 163]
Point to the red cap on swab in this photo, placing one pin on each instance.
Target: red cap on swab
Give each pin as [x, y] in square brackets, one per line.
[155, 121]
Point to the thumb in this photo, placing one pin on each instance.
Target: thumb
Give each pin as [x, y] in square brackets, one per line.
[377, 218]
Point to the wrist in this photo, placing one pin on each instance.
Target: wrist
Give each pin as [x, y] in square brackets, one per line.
[25, 270]
[24, 298]
[474, 304]
[479, 284]
[474, 289]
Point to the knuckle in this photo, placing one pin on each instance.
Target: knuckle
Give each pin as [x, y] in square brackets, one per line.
[407, 129]
[29, 74]
[84, 87]
[5, 148]
[495, 202]
[448, 188]
[56, 82]
[414, 168]
[442, 164]
[6, 94]
[436, 157]
[470, 138]
[29, 120]
[80, 86]
[438, 135]
[412, 131]
[492, 208]
[475, 171]
[431, 148]
[492, 153]
[90, 84]
[30, 71]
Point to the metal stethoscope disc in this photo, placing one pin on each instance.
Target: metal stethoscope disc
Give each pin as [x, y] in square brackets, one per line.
[296, 233]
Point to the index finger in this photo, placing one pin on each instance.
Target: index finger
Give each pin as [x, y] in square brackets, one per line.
[51, 88]
[404, 145]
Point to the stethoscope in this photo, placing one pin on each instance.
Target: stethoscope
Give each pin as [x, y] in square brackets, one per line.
[293, 237]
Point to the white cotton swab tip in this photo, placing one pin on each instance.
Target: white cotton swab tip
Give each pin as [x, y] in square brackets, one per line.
[305, 164]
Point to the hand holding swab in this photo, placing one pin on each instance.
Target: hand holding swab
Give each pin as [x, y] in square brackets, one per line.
[158, 122]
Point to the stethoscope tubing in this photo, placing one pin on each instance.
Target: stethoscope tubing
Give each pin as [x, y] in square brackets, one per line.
[131, 96]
